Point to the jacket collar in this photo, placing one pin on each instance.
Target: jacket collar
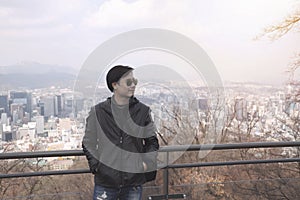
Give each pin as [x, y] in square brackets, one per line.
[132, 102]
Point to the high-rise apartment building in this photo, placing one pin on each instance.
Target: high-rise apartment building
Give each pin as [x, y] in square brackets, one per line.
[22, 98]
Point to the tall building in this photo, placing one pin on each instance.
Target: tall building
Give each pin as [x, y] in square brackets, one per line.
[48, 104]
[58, 105]
[67, 105]
[41, 108]
[23, 98]
[32, 130]
[8, 134]
[2, 111]
[40, 124]
[4, 103]
[4, 119]
[17, 112]
[79, 106]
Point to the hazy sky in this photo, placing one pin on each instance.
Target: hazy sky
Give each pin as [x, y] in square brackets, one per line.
[65, 32]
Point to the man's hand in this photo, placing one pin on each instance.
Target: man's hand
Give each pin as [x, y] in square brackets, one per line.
[145, 166]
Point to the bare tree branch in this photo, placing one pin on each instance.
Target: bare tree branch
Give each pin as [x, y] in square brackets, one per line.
[280, 29]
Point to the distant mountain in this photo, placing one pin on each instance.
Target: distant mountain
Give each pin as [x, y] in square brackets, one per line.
[35, 75]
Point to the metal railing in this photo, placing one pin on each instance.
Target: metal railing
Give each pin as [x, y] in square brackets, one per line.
[166, 166]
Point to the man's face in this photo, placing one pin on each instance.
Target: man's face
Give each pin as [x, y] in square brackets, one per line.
[125, 87]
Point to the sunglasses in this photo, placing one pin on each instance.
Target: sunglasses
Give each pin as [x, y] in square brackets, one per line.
[130, 81]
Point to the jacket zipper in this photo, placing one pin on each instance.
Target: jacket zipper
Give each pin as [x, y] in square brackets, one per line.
[121, 172]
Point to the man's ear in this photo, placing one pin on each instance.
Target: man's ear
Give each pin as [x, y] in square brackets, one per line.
[114, 85]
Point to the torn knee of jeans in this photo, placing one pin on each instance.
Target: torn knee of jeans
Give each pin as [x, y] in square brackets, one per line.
[102, 196]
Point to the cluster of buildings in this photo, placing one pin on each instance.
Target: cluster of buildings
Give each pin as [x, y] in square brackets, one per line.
[269, 106]
[54, 118]
[39, 114]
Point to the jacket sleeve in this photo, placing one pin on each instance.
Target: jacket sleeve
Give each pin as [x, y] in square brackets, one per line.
[151, 144]
[90, 142]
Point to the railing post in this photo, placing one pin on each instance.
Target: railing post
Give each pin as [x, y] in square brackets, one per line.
[166, 177]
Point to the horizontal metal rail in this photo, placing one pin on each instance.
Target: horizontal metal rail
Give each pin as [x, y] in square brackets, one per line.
[45, 173]
[40, 154]
[232, 146]
[165, 167]
[65, 153]
[185, 165]
[204, 147]
[240, 162]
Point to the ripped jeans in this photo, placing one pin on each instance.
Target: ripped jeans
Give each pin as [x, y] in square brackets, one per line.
[125, 193]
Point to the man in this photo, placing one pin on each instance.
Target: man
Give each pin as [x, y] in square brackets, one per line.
[120, 142]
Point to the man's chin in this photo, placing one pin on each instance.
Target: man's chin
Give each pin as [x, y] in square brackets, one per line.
[130, 94]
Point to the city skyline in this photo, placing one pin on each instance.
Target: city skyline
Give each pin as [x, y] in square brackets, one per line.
[41, 114]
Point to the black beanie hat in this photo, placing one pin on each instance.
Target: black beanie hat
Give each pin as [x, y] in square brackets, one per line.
[114, 75]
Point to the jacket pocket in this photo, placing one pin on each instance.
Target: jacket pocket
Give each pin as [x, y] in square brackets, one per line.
[93, 164]
[97, 168]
